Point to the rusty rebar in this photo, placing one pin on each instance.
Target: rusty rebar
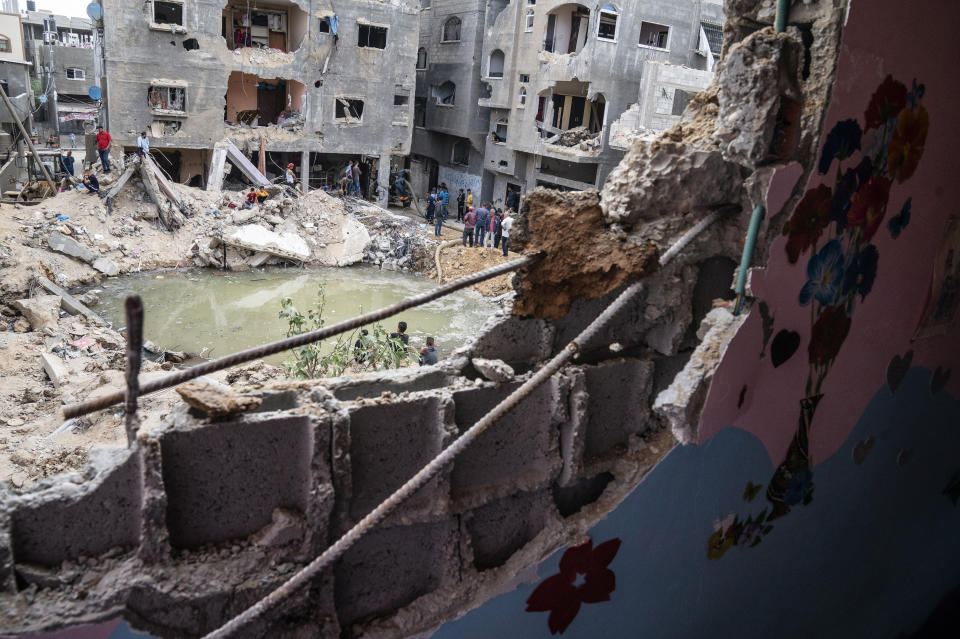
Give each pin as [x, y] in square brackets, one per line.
[250, 354]
[428, 472]
[134, 311]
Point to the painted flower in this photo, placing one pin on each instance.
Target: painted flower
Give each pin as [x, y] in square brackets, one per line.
[562, 595]
[887, 101]
[906, 147]
[869, 205]
[720, 542]
[862, 271]
[841, 142]
[800, 489]
[828, 334]
[899, 222]
[811, 216]
[824, 275]
[748, 535]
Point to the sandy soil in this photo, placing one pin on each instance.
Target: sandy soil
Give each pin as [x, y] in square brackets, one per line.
[457, 261]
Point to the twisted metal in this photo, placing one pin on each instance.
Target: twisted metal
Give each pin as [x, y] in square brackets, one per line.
[250, 354]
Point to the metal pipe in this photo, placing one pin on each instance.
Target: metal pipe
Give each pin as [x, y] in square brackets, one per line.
[134, 310]
[783, 10]
[748, 245]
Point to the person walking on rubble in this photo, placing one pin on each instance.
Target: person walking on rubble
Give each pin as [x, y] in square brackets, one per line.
[143, 145]
[103, 148]
[469, 221]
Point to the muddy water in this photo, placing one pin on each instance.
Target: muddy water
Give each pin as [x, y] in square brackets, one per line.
[193, 310]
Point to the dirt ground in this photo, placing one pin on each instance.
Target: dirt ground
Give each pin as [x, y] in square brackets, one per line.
[457, 261]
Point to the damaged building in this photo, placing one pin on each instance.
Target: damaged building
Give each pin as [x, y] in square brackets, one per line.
[558, 75]
[286, 81]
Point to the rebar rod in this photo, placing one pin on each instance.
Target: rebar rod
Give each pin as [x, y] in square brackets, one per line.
[250, 354]
[134, 310]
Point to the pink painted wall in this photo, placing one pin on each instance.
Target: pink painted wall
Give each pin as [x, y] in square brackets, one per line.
[882, 38]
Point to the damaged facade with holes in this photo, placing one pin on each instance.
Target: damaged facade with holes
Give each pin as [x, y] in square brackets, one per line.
[559, 77]
[299, 83]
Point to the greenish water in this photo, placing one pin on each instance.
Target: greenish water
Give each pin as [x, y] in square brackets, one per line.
[197, 309]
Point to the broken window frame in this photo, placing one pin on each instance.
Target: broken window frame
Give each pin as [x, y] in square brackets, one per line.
[372, 30]
[434, 90]
[83, 73]
[456, 158]
[451, 22]
[5, 45]
[170, 99]
[646, 45]
[422, 67]
[345, 103]
[522, 98]
[154, 23]
[610, 11]
[528, 20]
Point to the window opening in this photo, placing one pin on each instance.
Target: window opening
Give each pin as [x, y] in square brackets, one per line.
[446, 93]
[461, 152]
[680, 101]
[420, 112]
[168, 12]
[76, 74]
[191, 44]
[500, 131]
[654, 35]
[529, 20]
[714, 35]
[421, 58]
[371, 36]
[451, 30]
[349, 110]
[400, 100]
[324, 25]
[168, 98]
[4, 44]
[524, 77]
[522, 96]
[566, 30]
[495, 67]
[607, 29]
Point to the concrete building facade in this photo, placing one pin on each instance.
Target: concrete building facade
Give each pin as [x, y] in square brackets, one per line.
[309, 85]
[449, 123]
[558, 74]
[61, 50]
[15, 79]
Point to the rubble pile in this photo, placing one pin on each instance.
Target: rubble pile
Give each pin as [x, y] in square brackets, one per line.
[580, 138]
[396, 242]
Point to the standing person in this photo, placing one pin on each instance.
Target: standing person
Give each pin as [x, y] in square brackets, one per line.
[67, 162]
[348, 178]
[469, 220]
[290, 176]
[469, 199]
[103, 148]
[143, 145]
[488, 242]
[461, 199]
[73, 140]
[431, 204]
[356, 178]
[444, 200]
[506, 225]
[439, 214]
[498, 229]
[428, 354]
[483, 222]
[513, 198]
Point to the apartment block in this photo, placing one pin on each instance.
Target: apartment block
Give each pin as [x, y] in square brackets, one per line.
[304, 82]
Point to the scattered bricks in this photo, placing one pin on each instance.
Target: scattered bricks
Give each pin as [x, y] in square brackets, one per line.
[223, 481]
[500, 528]
[618, 405]
[518, 452]
[67, 520]
[391, 567]
[389, 444]
[519, 342]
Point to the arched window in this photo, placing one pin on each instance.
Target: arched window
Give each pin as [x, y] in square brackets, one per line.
[607, 28]
[522, 97]
[451, 30]
[529, 20]
[495, 66]
[4, 44]
[421, 58]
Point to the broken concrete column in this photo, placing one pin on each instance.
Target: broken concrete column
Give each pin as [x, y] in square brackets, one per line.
[383, 180]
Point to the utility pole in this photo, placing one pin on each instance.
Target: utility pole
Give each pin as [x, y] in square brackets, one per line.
[26, 136]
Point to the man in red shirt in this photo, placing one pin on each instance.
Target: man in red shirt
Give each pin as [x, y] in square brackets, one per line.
[103, 148]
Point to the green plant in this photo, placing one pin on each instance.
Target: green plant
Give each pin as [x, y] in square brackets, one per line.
[355, 351]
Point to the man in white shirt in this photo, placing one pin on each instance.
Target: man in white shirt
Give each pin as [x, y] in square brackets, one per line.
[143, 144]
[505, 227]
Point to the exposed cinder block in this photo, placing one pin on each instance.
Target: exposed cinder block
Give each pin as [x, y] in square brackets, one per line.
[618, 404]
[389, 444]
[518, 452]
[570, 499]
[223, 481]
[277, 400]
[7, 580]
[69, 519]
[517, 341]
[500, 528]
[390, 567]
[414, 380]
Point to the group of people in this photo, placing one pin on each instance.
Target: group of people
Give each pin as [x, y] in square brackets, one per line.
[428, 354]
[350, 180]
[488, 226]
